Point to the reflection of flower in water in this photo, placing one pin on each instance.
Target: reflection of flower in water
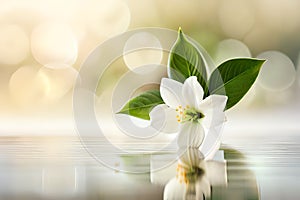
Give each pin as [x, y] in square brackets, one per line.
[195, 176]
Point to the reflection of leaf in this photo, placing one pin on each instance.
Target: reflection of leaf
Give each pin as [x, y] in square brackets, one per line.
[185, 61]
[241, 181]
[234, 78]
[141, 105]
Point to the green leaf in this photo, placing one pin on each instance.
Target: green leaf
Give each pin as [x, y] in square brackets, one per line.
[234, 78]
[141, 105]
[185, 60]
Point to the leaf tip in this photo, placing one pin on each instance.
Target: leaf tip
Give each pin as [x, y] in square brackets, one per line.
[261, 62]
[119, 112]
[122, 111]
[180, 33]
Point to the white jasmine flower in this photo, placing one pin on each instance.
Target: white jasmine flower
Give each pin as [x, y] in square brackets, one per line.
[196, 120]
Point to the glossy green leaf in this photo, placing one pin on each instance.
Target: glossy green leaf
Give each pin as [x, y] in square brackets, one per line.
[185, 60]
[234, 78]
[141, 105]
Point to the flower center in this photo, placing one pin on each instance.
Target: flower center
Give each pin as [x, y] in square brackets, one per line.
[194, 173]
[181, 175]
[189, 175]
[188, 114]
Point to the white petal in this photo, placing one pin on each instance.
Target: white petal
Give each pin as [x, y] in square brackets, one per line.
[203, 188]
[213, 109]
[191, 157]
[174, 190]
[213, 118]
[216, 173]
[214, 101]
[163, 119]
[190, 193]
[211, 142]
[192, 92]
[171, 92]
[191, 134]
[199, 194]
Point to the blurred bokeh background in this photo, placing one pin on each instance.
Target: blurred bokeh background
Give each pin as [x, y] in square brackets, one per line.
[43, 44]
